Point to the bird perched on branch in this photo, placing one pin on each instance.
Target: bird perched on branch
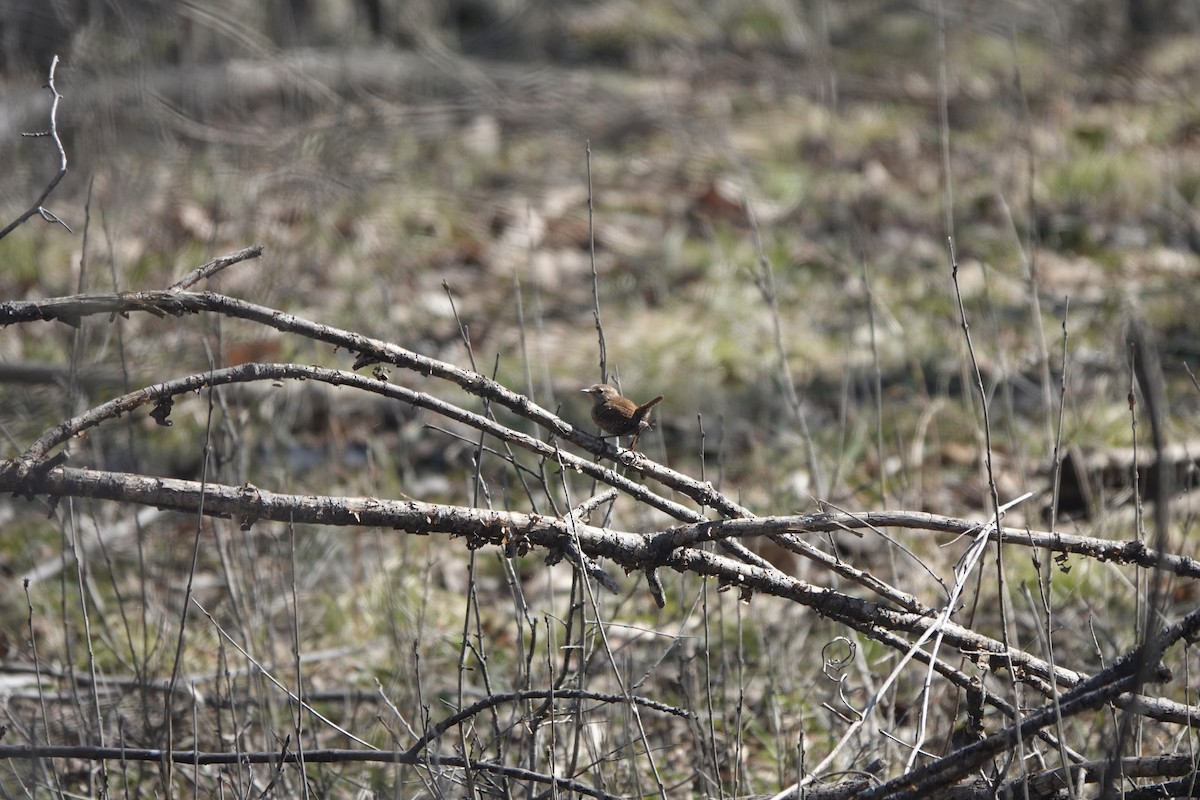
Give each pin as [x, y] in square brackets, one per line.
[617, 415]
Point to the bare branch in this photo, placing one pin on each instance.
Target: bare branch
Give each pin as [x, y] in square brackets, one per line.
[319, 756]
[52, 132]
[213, 267]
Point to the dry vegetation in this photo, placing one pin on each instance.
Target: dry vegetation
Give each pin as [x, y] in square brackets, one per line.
[774, 186]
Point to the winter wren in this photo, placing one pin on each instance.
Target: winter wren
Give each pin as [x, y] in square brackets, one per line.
[617, 415]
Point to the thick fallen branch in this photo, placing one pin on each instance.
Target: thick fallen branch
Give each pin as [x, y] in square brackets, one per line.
[517, 533]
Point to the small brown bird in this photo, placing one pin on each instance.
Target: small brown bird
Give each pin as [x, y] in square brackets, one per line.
[619, 415]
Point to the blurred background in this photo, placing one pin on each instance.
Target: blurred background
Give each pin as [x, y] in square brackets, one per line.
[379, 149]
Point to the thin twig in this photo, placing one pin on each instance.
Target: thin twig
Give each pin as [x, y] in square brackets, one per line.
[213, 267]
[38, 207]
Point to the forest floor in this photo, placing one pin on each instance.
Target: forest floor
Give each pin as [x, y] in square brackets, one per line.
[749, 221]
